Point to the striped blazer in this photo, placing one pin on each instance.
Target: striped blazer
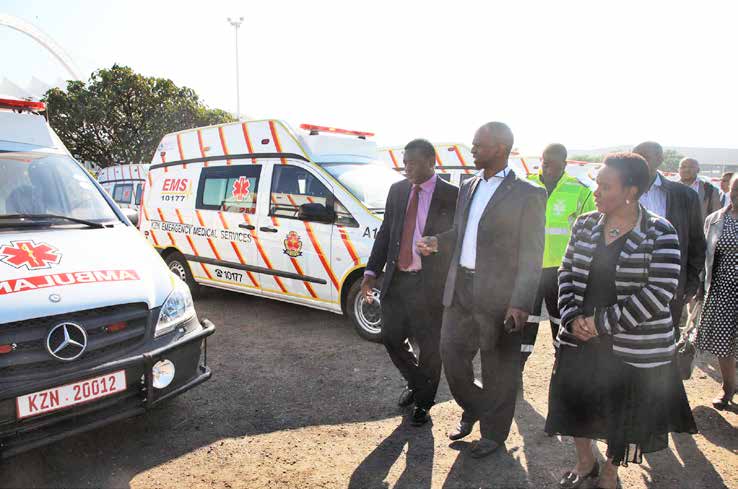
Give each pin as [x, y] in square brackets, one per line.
[646, 279]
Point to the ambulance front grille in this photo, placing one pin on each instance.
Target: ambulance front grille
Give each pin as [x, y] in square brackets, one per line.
[29, 357]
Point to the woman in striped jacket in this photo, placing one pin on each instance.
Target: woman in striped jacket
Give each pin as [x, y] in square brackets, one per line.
[614, 377]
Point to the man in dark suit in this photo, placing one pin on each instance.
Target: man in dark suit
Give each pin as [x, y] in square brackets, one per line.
[680, 205]
[492, 282]
[412, 288]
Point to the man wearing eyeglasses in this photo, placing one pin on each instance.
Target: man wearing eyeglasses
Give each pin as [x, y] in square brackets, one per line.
[497, 238]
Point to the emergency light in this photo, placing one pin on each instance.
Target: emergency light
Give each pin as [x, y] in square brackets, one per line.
[9, 103]
[315, 130]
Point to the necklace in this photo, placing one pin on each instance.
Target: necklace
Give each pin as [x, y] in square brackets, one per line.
[614, 232]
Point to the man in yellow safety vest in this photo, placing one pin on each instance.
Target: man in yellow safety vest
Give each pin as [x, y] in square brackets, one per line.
[568, 198]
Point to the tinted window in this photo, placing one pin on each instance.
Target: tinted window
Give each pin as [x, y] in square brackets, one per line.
[122, 193]
[293, 186]
[229, 188]
[139, 192]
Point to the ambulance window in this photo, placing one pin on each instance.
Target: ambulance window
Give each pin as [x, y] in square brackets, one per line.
[229, 188]
[293, 186]
[122, 193]
[139, 191]
[343, 216]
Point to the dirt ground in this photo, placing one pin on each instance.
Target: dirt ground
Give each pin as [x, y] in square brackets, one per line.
[297, 400]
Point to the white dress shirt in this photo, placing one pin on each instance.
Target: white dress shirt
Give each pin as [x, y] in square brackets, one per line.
[482, 194]
[655, 199]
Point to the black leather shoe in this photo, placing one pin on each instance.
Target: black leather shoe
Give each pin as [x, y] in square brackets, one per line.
[406, 398]
[464, 428]
[482, 448]
[420, 416]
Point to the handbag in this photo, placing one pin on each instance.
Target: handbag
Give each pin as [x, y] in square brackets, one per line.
[686, 349]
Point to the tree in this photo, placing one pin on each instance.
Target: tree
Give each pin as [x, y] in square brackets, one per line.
[590, 158]
[672, 158]
[120, 116]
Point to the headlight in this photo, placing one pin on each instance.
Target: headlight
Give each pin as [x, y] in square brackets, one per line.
[177, 309]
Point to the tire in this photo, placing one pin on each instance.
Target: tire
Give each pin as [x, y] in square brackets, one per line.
[178, 265]
[366, 318]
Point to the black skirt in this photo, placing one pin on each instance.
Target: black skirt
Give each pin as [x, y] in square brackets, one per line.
[594, 394]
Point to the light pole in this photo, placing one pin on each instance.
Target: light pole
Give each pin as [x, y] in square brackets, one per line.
[236, 24]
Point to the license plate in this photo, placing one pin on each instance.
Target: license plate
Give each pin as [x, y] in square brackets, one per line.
[70, 395]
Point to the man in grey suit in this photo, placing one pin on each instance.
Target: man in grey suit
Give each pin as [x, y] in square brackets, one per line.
[497, 238]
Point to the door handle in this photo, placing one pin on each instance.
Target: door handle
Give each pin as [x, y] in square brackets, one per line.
[268, 230]
[250, 227]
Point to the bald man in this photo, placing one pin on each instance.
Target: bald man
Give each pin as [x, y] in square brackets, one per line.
[689, 170]
[492, 282]
[681, 207]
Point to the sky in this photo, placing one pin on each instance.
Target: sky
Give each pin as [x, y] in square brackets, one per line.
[587, 74]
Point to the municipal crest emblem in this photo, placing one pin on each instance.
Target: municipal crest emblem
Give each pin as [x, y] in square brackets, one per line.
[293, 245]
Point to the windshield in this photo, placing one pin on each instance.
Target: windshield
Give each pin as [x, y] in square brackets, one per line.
[370, 183]
[37, 183]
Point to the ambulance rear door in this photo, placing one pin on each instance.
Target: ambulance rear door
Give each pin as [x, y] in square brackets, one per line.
[296, 228]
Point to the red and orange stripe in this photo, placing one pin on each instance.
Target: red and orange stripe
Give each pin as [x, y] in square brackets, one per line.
[223, 144]
[321, 254]
[349, 245]
[181, 152]
[461, 159]
[202, 147]
[246, 136]
[264, 255]
[277, 145]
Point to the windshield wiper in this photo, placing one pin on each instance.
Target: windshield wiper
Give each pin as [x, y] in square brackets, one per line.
[37, 219]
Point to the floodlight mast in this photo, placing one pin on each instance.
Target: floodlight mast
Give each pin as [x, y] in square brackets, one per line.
[236, 24]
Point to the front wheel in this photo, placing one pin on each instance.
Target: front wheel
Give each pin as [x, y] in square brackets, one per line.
[366, 318]
[178, 266]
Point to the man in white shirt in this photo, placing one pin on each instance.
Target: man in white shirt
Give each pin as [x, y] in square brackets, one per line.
[492, 282]
[689, 170]
[680, 206]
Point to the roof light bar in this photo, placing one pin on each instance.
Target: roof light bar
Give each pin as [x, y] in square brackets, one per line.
[10, 103]
[314, 130]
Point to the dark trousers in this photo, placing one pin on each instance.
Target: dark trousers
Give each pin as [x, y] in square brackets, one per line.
[493, 401]
[548, 291]
[408, 318]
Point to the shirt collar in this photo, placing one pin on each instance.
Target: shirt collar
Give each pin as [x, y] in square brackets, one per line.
[657, 181]
[500, 174]
[429, 185]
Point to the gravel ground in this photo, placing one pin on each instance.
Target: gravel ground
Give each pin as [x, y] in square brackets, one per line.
[297, 400]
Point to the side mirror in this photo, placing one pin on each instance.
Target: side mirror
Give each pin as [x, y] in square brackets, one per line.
[131, 214]
[316, 212]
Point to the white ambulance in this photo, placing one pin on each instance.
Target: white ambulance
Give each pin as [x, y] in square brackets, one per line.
[94, 328]
[455, 163]
[259, 208]
[124, 183]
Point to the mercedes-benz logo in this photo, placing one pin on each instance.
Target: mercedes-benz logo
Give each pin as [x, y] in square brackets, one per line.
[66, 341]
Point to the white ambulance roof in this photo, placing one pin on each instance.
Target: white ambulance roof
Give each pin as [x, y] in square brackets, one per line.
[269, 137]
[123, 172]
[329, 148]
